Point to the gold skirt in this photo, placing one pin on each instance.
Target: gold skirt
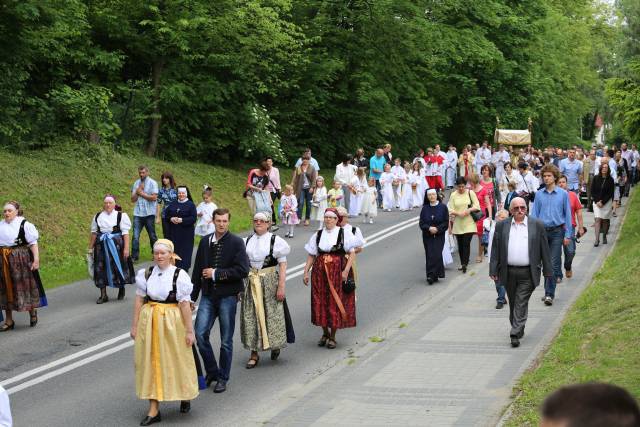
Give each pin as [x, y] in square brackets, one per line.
[164, 365]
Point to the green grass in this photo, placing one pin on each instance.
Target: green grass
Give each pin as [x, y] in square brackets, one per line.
[61, 190]
[600, 338]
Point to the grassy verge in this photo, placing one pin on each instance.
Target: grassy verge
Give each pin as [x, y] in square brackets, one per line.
[599, 339]
[61, 190]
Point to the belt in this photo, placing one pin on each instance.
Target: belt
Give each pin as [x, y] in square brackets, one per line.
[518, 266]
[553, 227]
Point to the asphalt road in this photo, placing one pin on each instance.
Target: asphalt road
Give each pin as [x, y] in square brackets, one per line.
[97, 388]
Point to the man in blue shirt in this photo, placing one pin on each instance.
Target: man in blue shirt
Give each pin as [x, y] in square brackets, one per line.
[376, 167]
[572, 169]
[144, 194]
[307, 155]
[552, 207]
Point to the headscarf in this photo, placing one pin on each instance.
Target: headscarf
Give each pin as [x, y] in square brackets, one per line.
[342, 212]
[333, 211]
[263, 216]
[168, 245]
[433, 191]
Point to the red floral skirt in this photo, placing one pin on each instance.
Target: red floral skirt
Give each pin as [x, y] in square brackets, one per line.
[324, 309]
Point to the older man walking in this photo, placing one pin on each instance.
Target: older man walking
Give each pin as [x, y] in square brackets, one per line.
[519, 252]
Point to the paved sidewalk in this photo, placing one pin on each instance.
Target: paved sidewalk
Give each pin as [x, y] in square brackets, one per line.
[448, 361]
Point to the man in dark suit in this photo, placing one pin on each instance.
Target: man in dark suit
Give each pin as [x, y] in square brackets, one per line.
[220, 267]
[519, 252]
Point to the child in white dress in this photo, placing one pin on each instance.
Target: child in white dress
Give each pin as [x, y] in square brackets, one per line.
[399, 176]
[370, 202]
[419, 187]
[288, 210]
[319, 202]
[358, 188]
[388, 194]
[205, 210]
[406, 195]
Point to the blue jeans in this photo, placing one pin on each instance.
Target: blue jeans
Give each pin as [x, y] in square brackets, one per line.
[210, 308]
[555, 236]
[304, 200]
[569, 253]
[502, 292]
[149, 223]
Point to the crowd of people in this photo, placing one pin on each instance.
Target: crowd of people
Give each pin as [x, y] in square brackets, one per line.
[523, 205]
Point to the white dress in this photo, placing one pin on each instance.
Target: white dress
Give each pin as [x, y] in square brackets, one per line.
[369, 202]
[406, 195]
[355, 202]
[258, 248]
[388, 199]
[399, 175]
[5, 409]
[319, 203]
[421, 188]
[205, 225]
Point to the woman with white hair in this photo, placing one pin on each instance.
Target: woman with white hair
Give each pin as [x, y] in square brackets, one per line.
[165, 368]
[109, 246]
[262, 316]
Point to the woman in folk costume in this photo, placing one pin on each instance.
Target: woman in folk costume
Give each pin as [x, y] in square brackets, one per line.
[358, 187]
[332, 307]
[406, 194]
[109, 245]
[262, 315]
[182, 215]
[419, 186]
[20, 285]
[356, 234]
[434, 223]
[388, 192]
[165, 367]
[370, 202]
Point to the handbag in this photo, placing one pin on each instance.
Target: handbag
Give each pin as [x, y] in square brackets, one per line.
[291, 335]
[476, 215]
[348, 285]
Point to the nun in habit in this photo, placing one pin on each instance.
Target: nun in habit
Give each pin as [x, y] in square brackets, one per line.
[182, 215]
[434, 222]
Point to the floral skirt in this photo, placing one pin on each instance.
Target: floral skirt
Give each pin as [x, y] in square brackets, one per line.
[325, 311]
[262, 325]
[100, 265]
[20, 288]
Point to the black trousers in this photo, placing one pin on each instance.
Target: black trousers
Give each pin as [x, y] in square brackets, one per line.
[464, 247]
[519, 288]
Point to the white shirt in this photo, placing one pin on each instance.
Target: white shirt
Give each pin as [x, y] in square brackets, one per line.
[5, 409]
[452, 159]
[514, 177]
[518, 248]
[358, 237]
[328, 240]
[107, 221]
[530, 183]
[613, 168]
[9, 232]
[635, 157]
[258, 249]
[399, 173]
[160, 283]
[499, 158]
[345, 173]
[483, 156]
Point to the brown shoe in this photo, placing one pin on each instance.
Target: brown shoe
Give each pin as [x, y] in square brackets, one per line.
[569, 274]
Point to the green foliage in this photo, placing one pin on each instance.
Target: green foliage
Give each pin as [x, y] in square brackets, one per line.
[244, 79]
[624, 97]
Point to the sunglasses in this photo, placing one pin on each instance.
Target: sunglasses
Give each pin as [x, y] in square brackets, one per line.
[518, 208]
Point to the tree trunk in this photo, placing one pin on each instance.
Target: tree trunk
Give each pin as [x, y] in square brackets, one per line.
[156, 118]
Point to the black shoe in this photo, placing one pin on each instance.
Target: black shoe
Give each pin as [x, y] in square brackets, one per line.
[151, 420]
[185, 406]
[210, 379]
[596, 244]
[430, 280]
[102, 299]
[121, 294]
[515, 342]
[604, 239]
[221, 387]
[499, 305]
[275, 354]
[34, 319]
[464, 269]
[548, 300]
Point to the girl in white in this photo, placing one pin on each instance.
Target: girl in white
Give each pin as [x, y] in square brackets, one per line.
[205, 210]
[319, 202]
[406, 195]
[399, 176]
[358, 188]
[509, 175]
[386, 182]
[419, 187]
[288, 210]
[369, 202]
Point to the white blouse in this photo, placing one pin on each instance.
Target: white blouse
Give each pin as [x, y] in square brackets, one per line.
[106, 222]
[160, 283]
[328, 239]
[258, 249]
[358, 237]
[9, 232]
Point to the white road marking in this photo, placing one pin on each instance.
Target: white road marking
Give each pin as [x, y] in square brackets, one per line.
[292, 273]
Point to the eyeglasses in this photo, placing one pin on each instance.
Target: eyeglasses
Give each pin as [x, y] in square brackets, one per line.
[259, 221]
[330, 217]
[518, 208]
